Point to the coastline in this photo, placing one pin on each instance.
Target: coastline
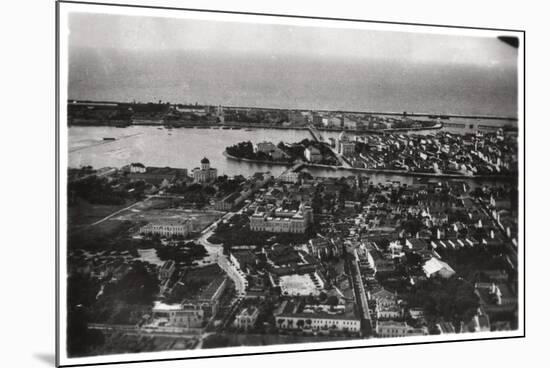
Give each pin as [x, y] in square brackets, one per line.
[206, 125]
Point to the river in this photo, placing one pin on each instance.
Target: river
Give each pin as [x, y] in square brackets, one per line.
[185, 147]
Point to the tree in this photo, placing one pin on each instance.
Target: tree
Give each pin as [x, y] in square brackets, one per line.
[332, 300]
[300, 323]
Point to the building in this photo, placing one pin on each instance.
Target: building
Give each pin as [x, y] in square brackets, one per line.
[156, 175]
[398, 329]
[204, 174]
[346, 148]
[277, 221]
[246, 318]
[312, 154]
[297, 117]
[178, 315]
[167, 270]
[209, 298]
[290, 177]
[317, 318]
[436, 267]
[137, 168]
[391, 312]
[270, 149]
[169, 227]
[384, 298]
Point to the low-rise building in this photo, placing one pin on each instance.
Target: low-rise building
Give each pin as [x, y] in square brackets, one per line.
[317, 318]
[436, 267]
[246, 318]
[167, 270]
[168, 227]
[398, 329]
[178, 315]
[312, 154]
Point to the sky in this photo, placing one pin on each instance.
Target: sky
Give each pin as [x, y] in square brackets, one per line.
[349, 53]
[156, 34]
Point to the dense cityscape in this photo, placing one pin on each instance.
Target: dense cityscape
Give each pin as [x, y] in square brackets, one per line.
[167, 258]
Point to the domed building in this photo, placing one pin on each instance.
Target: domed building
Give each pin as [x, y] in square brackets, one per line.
[204, 174]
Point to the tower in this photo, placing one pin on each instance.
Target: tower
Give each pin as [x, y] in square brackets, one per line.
[205, 164]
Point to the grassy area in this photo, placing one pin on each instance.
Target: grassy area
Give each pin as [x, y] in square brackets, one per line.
[83, 213]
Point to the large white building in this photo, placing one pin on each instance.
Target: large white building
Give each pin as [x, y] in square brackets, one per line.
[204, 174]
[317, 318]
[280, 221]
[168, 228]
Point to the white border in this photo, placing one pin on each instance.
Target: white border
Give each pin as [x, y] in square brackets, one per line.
[66, 8]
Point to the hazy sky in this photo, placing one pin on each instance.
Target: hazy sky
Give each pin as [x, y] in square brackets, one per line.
[249, 64]
[155, 33]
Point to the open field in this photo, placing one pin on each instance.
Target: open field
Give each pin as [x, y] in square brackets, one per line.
[83, 213]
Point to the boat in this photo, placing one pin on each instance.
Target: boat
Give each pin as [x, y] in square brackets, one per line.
[109, 139]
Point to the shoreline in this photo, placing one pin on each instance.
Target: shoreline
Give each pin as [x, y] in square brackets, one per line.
[239, 126]
[374, 171]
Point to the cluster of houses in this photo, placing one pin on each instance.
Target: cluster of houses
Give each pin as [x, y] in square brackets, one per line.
[445, 153]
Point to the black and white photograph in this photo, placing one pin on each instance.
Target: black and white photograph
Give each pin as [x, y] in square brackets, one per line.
[236, 183]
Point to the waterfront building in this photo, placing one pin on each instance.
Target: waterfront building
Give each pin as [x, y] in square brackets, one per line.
[265, 147]
[168, 227]
[290, 177]
[204, 174]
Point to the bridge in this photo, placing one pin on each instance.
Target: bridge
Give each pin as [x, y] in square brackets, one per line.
[315, 134]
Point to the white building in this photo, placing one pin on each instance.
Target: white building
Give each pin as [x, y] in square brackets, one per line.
[168, 228]
[279, 221]
[204, 174]
[246, 318]
[317, 318]
[137, 167]
[398, 329]
[312, 154]
[290, 177]
[436, 266]
[178, 315]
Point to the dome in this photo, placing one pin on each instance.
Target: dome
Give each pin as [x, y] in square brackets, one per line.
[205, 161]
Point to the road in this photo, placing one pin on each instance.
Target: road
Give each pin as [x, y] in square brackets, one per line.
[215, 252]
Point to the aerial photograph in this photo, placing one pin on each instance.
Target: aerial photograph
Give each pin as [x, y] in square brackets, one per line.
[235, 183]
